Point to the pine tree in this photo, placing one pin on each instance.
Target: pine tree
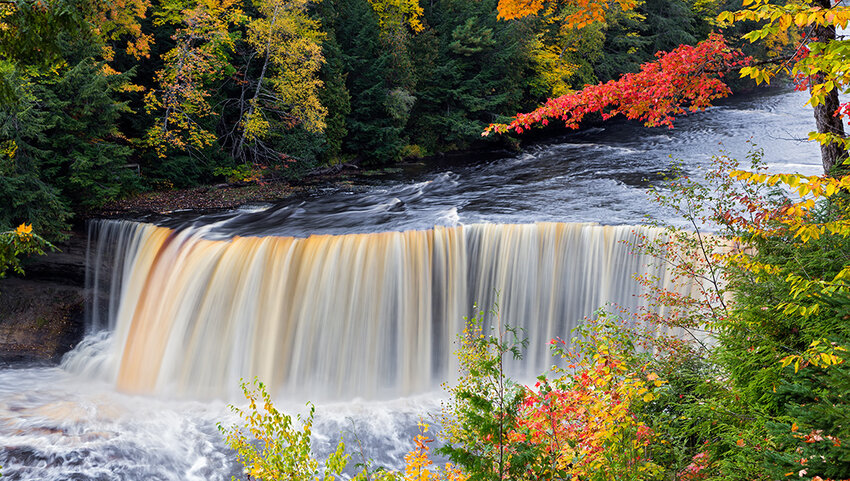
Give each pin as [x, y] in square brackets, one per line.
[373, 134]
[476, 75]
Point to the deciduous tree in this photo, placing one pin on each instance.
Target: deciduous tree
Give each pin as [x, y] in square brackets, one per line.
[686, 79]
[693, 76]
[203, 43]
[285, 93]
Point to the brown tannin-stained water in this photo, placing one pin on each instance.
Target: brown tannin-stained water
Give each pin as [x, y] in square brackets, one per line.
[353, 300]
[356, 315]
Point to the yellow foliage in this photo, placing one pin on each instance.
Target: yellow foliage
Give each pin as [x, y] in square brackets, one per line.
[197, 58]
[272, 445]
[18, 243]
[254, 124]
[24, 230]
[802, 219]
[418, 465]
[552, 68]
[820, 353]
[288, 39]
[394, 15]
[8, 149]
[821, 61]
[121, 19]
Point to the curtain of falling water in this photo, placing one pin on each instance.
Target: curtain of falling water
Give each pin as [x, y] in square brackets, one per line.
[111, 249]
[372, 315]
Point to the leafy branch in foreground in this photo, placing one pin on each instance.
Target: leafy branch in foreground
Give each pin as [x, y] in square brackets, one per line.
[19, 242]
[272, 445]
[584, 417]
[484, 403]
[689, 78]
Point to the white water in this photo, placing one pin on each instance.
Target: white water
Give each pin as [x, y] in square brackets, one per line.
[333, 317]
[74, 422]
[329, 318]
[58, 427]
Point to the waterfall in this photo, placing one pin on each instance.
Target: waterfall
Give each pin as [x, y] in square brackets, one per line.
[357, 315]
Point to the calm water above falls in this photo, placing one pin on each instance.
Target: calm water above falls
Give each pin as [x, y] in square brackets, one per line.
[72, 423]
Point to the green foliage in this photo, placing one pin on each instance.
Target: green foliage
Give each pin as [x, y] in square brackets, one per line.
[32, 30]
[818, 420]
[238, 173]
[670, 23]
[62, 150]
[787, 351]
[473, 68]
[183, 87]
[302, 148]
[484, 403]
[632, 38]
[373, 134]
[764, 399]
[272, 445]
[334, 94]
[65, 152]
[87, 153]
[31, 199]
[14, 244]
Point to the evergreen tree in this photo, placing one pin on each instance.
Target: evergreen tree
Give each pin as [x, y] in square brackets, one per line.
[26, 197]
[476, 76]
[84, 152]
[374, 135]
[62, 150]
[334, 94]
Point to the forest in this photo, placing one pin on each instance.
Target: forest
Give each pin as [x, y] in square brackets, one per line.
[737, 372]
[104, 99]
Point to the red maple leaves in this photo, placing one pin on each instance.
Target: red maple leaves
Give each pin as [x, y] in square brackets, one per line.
[685, 79]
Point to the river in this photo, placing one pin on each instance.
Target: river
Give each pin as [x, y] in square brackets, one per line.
[80, 421]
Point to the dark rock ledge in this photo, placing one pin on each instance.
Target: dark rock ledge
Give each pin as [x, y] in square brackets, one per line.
[41, 314]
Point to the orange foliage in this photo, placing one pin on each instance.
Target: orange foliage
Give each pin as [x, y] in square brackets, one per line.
[119, 18]
[584, 418]
[581, 12]
[511, 9]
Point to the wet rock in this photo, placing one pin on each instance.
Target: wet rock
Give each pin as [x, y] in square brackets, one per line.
[41, 314]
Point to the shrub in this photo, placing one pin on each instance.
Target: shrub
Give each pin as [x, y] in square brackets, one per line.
[272, 445]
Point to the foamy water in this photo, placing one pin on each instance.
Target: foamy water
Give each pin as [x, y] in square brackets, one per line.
[169, 337]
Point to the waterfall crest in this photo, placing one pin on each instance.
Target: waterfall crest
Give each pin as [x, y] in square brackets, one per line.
[368, 315]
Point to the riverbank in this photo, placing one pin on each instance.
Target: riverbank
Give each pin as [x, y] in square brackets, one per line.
[224, 196]
[593, 175]
[42, 313]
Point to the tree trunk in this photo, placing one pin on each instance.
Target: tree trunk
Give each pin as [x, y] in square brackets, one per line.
[832, 154]
[237, 151]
